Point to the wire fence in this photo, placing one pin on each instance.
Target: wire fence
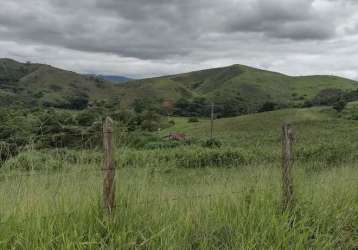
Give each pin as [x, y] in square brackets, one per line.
[107, 168]
[62, 173]
[101, 170]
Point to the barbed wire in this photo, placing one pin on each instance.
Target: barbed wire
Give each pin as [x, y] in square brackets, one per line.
[56, 135]
[187, 197]
[152, 201]
[29, 174]
[43, 217]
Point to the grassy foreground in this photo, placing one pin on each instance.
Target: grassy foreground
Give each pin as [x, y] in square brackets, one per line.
[192, 197]
[173, 209]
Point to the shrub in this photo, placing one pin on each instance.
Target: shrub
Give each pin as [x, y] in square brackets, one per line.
[212, 143]
[340, 105]
[139, 140]
[150, 121]
[193, 119]
[86, 118]
[7, 150]
[51, 159]
[209, 157]
[354, 117]
[78, 102]
[268, 106]
[327, 154]
[31, 160]
[327, 97]
[162, 144]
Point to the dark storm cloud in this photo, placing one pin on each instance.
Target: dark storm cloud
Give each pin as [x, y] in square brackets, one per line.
[148, 32]
[155, 29]
[167, 36]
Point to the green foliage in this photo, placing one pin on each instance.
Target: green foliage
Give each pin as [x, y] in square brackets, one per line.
[336, 98]
[340, 105]
[139, 139]
[7, 150]
[49, 160]
[145, 104]
[162, 144]
[50, 87]
[78, 102]
[238, 89]
[48, 128]
[139, 105]
[268, 106]
[327, 97]
[182, 195]
[241, 90]
[86, 118]
[189, 108]
[171, 122]
[193, 119]
[150, 121]
[212, 143]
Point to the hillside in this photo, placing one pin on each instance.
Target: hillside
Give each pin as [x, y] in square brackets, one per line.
[320, 132]
[253, 85]
[34, 84]
[43, 84]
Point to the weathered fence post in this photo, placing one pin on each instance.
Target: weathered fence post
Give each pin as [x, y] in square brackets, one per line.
[212, 121]
[287, 159]
[109, 170]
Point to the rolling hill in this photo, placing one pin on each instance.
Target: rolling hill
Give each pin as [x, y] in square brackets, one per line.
[253, 85]
[34, 84]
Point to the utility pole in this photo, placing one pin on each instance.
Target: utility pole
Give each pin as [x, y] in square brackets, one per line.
[212, 121]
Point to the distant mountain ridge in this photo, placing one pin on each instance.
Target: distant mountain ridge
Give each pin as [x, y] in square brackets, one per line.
[113, 78]
[34, 84]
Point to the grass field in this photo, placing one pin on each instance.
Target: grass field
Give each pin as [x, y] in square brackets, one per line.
[173, 210]
[193, 197]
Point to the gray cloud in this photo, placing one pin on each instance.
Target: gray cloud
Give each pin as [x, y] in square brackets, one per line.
[296, 20]
[169, 35]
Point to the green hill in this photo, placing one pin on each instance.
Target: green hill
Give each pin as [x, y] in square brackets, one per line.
[253, 86]
[43, 84]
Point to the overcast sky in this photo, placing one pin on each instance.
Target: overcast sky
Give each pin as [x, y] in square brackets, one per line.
[144, 38]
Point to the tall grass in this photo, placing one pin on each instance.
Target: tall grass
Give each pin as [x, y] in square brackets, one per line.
[173, 208]
[188, 196]
[313, 155]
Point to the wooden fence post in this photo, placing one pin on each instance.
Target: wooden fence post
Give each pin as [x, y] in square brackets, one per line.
[109, 170]
[287, 159]
[212, 121]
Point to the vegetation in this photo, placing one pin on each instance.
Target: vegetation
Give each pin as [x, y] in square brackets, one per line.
[193, 119]
[42, 85]
[169, 197]
[236, 90]
[245, 89]
[198, 193]
[164, 208]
